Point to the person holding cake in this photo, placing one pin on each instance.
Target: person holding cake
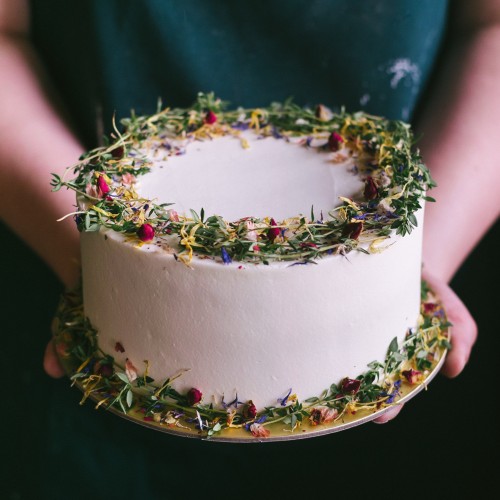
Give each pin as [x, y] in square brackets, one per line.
[57, 98]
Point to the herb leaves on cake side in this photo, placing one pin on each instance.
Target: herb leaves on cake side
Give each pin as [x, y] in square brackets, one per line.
[407, 364]
[395, 182]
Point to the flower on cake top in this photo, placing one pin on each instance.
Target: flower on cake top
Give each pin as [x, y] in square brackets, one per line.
[210, 118]
[335, 141]
[103, 183]
[146, 233]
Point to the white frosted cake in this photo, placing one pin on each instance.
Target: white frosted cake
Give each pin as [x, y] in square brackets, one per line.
[251, 255]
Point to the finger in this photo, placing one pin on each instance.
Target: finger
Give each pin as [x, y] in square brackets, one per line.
[463, 331]
[51, 363]
[389, 415]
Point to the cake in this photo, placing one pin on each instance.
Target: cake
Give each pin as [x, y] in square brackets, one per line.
[239, 261]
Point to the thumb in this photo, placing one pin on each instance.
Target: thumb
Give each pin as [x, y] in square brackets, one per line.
[463, 331]
[51, 363]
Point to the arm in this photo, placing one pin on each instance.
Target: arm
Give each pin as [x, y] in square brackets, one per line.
[460, 131]
[459, 126]
[34, 141]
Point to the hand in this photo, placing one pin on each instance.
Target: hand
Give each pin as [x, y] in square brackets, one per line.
[51, 363]
[463, 335]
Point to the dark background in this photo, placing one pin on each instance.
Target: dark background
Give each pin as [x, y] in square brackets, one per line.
[445, 440]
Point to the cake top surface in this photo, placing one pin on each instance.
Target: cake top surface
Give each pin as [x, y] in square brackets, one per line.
[247, 175]
[282, 183]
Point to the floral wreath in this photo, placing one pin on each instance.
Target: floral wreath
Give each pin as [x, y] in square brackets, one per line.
[395, 181]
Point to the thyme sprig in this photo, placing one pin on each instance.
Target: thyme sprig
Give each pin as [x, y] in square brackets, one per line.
[381, 148]
[101, 378]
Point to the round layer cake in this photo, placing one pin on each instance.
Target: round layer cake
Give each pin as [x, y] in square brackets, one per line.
[251, 254]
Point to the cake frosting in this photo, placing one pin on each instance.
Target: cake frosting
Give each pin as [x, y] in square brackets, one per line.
[251, 254]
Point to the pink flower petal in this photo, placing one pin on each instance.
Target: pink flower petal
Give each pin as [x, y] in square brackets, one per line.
[130, 370]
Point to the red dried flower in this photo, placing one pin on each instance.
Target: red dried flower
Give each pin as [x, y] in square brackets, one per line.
[119, 347]
[273, 231]
[411, 375]
[335, 141]
[210, 118]
[193, 396]
[353, 230]
[350, 386]
[146, 232]
[118, 152]
[102, 186]
[429, 307]
[250, 411]
[370, 192]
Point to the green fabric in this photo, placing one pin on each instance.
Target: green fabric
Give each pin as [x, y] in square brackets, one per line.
[107, 55]
[114, 55]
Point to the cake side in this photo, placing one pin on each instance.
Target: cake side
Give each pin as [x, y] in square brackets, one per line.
[253, 331]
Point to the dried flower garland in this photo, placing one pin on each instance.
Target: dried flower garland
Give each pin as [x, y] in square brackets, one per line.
[394, 176]
[121, 387]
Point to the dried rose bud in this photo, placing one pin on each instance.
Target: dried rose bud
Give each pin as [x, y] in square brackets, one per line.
[335, 141]
[370, 192]
[118, 152]
[315, 417]
[210, 118]
[429, 307]
[102, 186]
[193, 396]
[273, 231]
[119, 347]
[146, 233]
[350, 386]
[411, 375]
[250, 411]
[353, 230]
